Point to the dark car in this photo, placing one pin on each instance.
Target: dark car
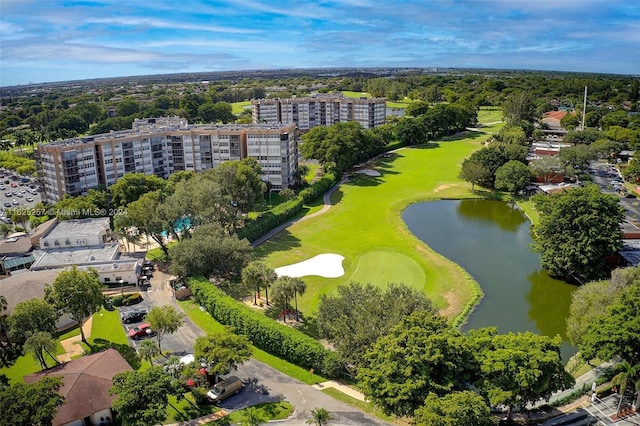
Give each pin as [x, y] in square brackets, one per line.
[133, 316]
[140, 331]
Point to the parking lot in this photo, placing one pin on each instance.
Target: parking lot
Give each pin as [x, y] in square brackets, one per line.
[17, 193]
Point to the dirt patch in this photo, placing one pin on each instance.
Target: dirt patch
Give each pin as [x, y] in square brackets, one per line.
[452, 304]
[445, 186]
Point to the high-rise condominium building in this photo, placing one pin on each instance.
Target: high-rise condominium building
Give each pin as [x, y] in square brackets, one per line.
[162, 146]
[320, 110]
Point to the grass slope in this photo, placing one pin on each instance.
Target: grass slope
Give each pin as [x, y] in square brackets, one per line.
[365, 226]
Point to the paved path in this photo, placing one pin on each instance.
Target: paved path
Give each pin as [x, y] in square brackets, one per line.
[72, 345]
[327, 205]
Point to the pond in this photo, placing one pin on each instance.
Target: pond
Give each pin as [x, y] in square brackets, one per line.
[491, 241]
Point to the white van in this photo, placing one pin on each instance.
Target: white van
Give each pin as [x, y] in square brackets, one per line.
[224, 389]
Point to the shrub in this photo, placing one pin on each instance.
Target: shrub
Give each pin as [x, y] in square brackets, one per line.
[256, 228]
[117, 300]
[277, 339]
[132, 299]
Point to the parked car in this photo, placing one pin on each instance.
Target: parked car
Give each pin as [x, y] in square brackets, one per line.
[29, 199]
[224, 389]
[15, 202]
[129, 317]
[140, 331]
[7, 204]
[8, 194]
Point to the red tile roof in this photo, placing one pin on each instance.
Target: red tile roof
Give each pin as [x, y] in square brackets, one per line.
[85, 384]
[557, 115]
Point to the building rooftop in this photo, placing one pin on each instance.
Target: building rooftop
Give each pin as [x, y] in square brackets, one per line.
[26, 286]
[85, 384]
[78, 228]
[15, 246]
[77, 256]
[146, 126]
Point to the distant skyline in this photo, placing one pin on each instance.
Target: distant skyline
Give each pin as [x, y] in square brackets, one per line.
[49, 40]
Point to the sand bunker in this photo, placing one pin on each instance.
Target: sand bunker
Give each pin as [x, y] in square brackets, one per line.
[369, 172]
[326, 265]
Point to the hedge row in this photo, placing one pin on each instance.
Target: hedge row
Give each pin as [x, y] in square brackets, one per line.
[277, 339]
[256, 228]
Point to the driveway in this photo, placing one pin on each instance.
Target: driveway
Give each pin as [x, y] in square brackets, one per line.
[262, 383]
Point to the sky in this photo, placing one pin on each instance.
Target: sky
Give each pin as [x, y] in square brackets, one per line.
[50, 40]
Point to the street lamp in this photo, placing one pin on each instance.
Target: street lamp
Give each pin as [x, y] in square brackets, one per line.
[121, 287]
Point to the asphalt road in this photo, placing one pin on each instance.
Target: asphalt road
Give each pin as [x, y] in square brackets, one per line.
[262, 383]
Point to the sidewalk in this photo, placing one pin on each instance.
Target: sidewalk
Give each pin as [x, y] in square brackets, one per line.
[72, 345]
[347, 390]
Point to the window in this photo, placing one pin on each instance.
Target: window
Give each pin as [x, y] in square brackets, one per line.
[106, 280]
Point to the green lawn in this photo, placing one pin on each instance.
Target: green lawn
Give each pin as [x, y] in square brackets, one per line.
[238, 107]
[491, 115]
[365, 226]
[106, 331]
[314, 167]
[266, 411]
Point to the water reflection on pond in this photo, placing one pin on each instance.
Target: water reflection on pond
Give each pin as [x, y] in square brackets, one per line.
[491, 240]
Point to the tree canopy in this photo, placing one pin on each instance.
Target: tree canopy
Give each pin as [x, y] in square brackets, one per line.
[512, 176]
[518, 368]
[210, 251]
[356, 315]
[617, 331]
[419, 355]
[77, 293]
[164, 320]
[132, 186]
[142, 396]
[31, 316]
[222, 351]
[31, 404]
[578, 228]
[454, 409]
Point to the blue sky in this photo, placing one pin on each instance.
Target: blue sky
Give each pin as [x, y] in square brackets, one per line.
[49, 40]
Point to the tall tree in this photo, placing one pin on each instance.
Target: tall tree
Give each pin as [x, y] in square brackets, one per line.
[132, 186]
[222, 352]
[474, 172]
[356, 315]
[39, 343]
[428, 356]
[512, 176]
[148, 350]
[577, 230]
[548, 168]
[617, 331]
[520, 106]
[164, 320]
[454, 409]
[31, 316]
[210, 251]
[142, 396]
[77, 293]
[31, 404]
[518, 369]
[256, 275]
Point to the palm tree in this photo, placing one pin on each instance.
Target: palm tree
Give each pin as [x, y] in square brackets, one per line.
[621, 379]
[256, 276]
[298, 287]
[5, 145]
[251, 417]
[320, 416]
[282, 292]
[148, 350]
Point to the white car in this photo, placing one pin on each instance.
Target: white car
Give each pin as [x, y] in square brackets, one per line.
[29, 199]
[15, 202]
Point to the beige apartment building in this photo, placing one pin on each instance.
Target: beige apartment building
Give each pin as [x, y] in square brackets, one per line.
[163, 146]
[320, 110]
